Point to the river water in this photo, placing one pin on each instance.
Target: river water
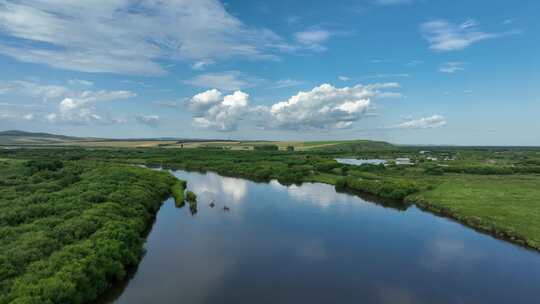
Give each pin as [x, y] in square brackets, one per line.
[311, 244]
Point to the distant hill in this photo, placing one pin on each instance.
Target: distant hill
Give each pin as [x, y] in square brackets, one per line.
[17, 133]
[23, 138]
[16, 137]
[348, 146]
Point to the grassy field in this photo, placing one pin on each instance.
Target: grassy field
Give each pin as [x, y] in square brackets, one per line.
[507, 206]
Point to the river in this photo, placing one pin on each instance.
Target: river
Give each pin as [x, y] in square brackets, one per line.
[311, 244]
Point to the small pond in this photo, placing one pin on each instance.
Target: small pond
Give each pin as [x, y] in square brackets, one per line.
[358, 162]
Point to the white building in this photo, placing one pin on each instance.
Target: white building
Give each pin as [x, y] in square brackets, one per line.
[403, 161]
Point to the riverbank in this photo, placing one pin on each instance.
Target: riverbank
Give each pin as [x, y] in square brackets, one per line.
[506, 207]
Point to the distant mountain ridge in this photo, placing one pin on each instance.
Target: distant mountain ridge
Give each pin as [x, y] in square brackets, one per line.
[25, 138]
[18, 133]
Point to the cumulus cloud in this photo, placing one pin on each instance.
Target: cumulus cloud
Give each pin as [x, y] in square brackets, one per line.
[324, 107]
[127, 36]
[149, 120]
[434, 121]
[214, 111]
[451, 67]
[446, 36]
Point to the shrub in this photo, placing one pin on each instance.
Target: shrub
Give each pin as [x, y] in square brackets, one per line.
[266, 148]
[191, 196]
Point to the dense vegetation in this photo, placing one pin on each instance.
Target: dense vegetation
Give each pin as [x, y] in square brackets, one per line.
[67, 229]
[177, 191]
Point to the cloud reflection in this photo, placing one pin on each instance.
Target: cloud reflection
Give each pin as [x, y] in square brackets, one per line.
[319, 194]
[211, 186]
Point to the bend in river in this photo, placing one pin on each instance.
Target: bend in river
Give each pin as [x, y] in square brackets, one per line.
[311, 244]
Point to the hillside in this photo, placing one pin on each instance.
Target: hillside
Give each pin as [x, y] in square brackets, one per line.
[348, 146]
[16, 137]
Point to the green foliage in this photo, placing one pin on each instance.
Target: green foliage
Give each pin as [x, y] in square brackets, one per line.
[266, 147]
[385, 188]
[191, 196]
[177, 191]
[42, 165]
[480, 169]
[69, 229]
[434, 170]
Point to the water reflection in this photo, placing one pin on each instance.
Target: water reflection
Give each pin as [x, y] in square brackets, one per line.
[310, 244]
[322, 195]
[211, 186]
[358, 162]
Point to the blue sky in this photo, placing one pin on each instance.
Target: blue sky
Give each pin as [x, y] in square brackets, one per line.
[405, 71]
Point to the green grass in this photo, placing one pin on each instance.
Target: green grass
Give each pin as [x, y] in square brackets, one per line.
[177, 191]
[507, 206]
[326, 178]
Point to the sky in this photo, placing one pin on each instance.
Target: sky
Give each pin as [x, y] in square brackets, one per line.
[405, 71]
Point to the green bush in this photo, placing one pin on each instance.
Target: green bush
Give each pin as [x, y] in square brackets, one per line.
[73, 228]
[266, 147]
[191, 196]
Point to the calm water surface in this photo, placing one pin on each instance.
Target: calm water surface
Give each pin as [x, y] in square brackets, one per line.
[309, 244]
[358, 162]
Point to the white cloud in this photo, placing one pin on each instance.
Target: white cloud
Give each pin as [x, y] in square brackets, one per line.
[212, 111]
[451, 67]
[17, 116]
[202, 64]
[149, 120]
[286, 83]
[434, 121]
[229, 81]
[44, 92]
[313, 39]
[127, 36]
[80, 107]
[446, 36]
[343, 78]
[80, 82]
[324, 107]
